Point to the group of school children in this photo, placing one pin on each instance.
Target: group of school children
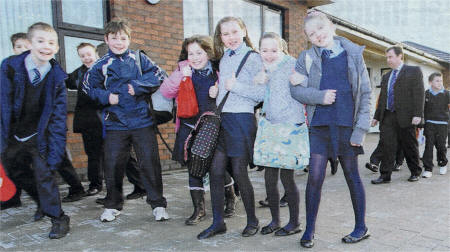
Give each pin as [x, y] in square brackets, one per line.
[334, 87]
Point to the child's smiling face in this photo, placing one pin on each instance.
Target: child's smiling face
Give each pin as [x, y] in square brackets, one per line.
[232, 34]
[197, 57]
[270, 50]
[320, 32]
[118, 43]
[44, 46]
[87, 55]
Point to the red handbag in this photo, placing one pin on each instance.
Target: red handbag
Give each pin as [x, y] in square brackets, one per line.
[7, 187]
[187, 100]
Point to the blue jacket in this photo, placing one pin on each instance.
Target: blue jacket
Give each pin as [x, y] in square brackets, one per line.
[51, 137]
[111, 75]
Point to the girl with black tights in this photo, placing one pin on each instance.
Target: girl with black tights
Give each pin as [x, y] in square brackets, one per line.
[238, 126]
[337, 93]
[279, 107]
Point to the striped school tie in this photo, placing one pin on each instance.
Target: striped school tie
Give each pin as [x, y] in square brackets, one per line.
[37, 77]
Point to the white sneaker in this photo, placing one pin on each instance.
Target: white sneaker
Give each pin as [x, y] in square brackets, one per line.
[109, 215]
[160, 214]
[443, 170]
[427, 174]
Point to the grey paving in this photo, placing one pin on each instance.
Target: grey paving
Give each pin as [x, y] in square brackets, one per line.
[401, 216]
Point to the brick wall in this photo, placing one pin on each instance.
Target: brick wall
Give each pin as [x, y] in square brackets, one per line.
[158, 30]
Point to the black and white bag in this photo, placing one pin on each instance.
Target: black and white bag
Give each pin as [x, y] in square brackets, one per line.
[201, 143]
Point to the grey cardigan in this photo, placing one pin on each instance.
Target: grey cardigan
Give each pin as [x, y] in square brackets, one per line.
[310, 94]
[281, 107]
[245, 95]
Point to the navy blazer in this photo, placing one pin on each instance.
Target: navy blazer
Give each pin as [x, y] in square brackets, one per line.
[409, 95]
[51, 137]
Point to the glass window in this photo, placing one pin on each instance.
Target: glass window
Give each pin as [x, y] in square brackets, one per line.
[83, 12]
[71, 54]
[272, 21]
[195, 18]
[249, 12]
[17, 15]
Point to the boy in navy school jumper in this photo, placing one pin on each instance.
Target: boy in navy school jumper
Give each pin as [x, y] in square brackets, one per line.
[33, 122]
[437, 103]
[115, 82]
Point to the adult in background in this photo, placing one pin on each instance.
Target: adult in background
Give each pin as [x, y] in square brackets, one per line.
[399, 111]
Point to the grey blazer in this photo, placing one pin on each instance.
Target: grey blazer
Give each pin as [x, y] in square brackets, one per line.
[309, 93]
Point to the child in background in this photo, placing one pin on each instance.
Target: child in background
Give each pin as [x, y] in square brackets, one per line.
[238, 126]
[116, 83]
[337, 97]
[85, 119]
[279, 107]
[20, 43]
[33, 124]
[437, 103]
[195, 62]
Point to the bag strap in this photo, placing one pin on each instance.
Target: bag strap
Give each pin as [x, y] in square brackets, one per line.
[149, 101]
[222, 103]
[138, 60]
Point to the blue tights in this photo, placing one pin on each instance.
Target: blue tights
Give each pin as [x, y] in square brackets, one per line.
[317, 169]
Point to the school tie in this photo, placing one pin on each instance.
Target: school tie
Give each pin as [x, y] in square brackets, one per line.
[390, 101]
[37, 77]
[203, 72]
[232, 52]
[326, 54]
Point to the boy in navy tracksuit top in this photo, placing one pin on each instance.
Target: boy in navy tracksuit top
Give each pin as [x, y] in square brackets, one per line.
[437, 102]
[33, 122]
[115, 82]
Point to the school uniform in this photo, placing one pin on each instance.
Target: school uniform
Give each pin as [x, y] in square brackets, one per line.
[236, 137]
[436, 122]
[33, 127]
[333, 127]
[127, 122]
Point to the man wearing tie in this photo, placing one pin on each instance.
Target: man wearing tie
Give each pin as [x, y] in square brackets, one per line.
[399, 111]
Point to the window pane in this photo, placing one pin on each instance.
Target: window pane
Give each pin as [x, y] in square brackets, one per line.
[272, 21]
[17, 15]
[70, 45]
[195, 17]
[249, 12]
[83, 12]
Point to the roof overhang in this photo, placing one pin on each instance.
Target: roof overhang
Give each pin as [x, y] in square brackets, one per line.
[315, 3]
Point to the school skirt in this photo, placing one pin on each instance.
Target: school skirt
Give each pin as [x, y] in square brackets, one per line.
[332, 141]
[237, 134]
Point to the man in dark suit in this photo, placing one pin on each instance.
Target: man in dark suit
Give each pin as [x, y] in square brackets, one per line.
[399, 111]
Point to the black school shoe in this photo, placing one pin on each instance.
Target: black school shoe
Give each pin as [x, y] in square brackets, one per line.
[136, 193]
[60, 227]
[307, 243]
[250, 230]
[350, 239]
[285, 232]
[71, 197]
[212, 231]
[372, 167]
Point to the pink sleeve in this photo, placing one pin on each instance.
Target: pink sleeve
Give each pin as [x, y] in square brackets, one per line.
[169, 87]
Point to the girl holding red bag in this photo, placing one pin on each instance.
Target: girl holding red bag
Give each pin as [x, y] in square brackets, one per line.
[190, 84]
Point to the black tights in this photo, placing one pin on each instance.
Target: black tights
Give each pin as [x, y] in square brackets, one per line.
[273, 196]
[240, 174]
[316, 175]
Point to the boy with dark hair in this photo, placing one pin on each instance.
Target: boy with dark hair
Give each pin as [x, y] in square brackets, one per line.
[20, 43]
[437, 102]
[33, 122]
[116, 83]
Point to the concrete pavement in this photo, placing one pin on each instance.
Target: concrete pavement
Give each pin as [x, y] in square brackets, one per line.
[401, 216]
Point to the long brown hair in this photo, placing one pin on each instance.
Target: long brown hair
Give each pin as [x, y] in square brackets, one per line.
[218, 44]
